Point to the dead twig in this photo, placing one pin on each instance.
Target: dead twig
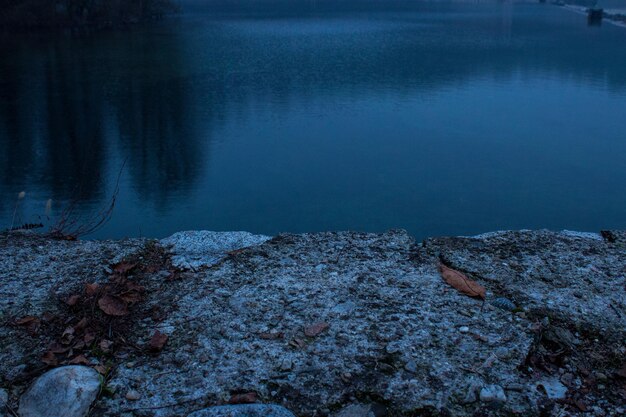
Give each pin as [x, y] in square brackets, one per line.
[71, 226]
[473, 370]
[619, 314]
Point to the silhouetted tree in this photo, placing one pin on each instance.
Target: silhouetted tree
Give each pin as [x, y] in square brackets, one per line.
[73, 13]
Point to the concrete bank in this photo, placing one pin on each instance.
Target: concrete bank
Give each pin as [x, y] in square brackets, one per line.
[324, 324]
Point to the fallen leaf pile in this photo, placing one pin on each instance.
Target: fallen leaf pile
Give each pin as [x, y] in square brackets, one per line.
[93, 326]
[95, 321]
[581, 365]
[462, 283]
[92, 330]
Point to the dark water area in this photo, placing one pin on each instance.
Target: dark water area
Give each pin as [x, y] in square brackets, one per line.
[448, 118]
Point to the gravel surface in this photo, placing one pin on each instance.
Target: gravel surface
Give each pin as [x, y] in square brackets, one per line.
[320, 322]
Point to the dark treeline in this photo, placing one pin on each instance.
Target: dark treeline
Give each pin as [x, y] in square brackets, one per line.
[31, 14]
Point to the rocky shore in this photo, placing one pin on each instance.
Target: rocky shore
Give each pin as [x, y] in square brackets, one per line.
[327, 324]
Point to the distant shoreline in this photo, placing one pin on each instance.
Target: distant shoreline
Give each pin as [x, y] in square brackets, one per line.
[610, 16]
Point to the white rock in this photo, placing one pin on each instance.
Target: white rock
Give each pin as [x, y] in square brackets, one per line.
[464, 329]
[133, 395]
[492, 393]
[66, 391]
[286, 365]
[554, 389]
[195, 249]
[583, 235]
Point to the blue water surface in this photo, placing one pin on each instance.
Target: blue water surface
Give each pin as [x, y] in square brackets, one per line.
[442, 118]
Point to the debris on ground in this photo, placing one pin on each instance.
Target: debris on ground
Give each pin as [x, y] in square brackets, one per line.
[323, 323]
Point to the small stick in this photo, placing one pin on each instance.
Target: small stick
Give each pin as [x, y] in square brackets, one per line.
[616, 310]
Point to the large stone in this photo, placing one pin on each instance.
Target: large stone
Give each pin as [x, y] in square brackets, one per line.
[195, 249]
[67, 391]
[492, 393]
[246, 410]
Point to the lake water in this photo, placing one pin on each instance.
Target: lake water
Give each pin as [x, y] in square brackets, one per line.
[442, 118]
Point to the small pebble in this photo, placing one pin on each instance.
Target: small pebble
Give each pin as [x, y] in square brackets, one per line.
[492, 393]
[470, 396]
[411, 366]
[286, 365]
[504, 304]
[133, 395]
[464, 329]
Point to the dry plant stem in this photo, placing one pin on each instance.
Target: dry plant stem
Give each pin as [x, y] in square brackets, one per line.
[13, 413]
[17, 203]
[71, 226]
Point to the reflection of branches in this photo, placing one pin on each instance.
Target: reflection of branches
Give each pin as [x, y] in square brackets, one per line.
[70, 225]
[20, 196]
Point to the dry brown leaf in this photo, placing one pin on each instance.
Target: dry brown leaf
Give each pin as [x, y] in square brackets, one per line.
[68, 332]
[80, 360]
[81, 324]
[246, 398]
[133, 286]
[461, 282]
[315, 329]
[123, 268]
[27, 321]
[157, 341]
[57, 348]
[580, 405]
[73, 300]
[47, 316]
[271, 336]
[49, 359]
[78, 345]
[101, 369]
[67, 336]
[113, 306]
[91, 289]
[130, 297]
[105, 345]
[31, 323]
[89, 337]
